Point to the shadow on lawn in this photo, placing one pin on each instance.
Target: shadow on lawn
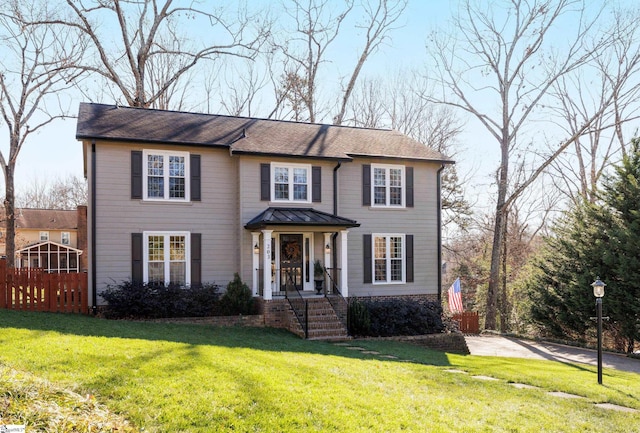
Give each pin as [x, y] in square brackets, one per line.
[267, 339]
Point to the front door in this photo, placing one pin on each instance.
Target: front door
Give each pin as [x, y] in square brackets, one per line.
[291, 260]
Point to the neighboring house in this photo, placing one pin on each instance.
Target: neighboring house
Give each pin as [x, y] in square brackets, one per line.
[51, 239]
[192, 198]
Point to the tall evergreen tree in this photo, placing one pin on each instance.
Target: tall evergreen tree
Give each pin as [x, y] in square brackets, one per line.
[601, 239]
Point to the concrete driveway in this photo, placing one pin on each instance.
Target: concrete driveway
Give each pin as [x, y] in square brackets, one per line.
[495, 345]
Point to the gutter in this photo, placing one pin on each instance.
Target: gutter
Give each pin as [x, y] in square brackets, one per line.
[93, 227]
[334, 236]
[439, 219]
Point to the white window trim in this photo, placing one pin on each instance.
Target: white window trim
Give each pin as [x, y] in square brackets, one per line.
[145, 174]
[166, 234]
[388, 258]
[403, 194]
[62, 235]
[290, 166]
[44, 236]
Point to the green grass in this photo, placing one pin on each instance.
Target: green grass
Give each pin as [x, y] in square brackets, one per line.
[190, 378]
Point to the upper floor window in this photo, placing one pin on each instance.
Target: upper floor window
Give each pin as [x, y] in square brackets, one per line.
[290, 182]
[388, 184]
[65, 238]
[44, 236]
[166, 175]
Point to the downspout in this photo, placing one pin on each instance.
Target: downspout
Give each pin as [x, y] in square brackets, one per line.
[439, 218]
[94, 307]
[334, 258]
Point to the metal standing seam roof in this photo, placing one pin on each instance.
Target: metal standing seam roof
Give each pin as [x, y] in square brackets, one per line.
[244, 135]
[298, 217]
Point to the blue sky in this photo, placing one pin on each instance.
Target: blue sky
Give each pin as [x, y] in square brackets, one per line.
[54, 151]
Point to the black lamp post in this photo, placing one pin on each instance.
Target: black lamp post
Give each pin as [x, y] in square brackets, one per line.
[598, 292]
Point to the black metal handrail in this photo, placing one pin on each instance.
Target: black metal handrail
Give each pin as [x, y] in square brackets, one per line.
[334, 295]
[298, 304]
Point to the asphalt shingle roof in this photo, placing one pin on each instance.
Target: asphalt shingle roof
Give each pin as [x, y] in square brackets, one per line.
[245, 135]
[45, 219]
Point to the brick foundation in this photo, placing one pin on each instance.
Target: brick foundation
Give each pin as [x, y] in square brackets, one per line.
[276, 312]
[415, 298]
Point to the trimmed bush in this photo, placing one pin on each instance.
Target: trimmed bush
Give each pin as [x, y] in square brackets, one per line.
[238, 298]
[131, 300]
[399, 317]
[358, 318]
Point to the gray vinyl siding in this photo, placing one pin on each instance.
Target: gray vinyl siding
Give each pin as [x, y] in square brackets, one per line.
[419, 221]
[215, 216]
[251, 205]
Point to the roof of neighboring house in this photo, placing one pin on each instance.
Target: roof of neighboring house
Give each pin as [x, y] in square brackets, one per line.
[245, 135]
[298, 216]
[45, 219]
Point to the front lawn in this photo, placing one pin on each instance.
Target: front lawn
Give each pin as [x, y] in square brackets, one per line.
[190, 378]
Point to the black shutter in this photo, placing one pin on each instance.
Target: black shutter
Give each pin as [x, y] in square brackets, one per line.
[136, 174]
[265, 182]
[316, 184]
[196, 259]
[136, 258]
[409, 259]
[195, 178]
[366, 185]
[366, 256]
[409, 189]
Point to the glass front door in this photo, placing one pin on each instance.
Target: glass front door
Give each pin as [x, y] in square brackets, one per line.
[291, 261]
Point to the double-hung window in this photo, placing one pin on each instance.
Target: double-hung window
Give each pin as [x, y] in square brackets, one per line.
[44, 236]
[166, 258]
[65, 238]
[291, 182]
[388, 184]
[166, 175]
[389, 258]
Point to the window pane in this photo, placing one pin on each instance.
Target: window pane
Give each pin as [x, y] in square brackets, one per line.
[379, 177]
[176, 187]
[177, 248]
[380, 248]
[155, 165]
[379, 195]
[380, 270]
[156, 248]
[155, 187]
[395, 196]
[177, 273]
[281, 175]
[395, 243]
[281, 191]
[176, 166]
[396, 270]
[299, 192]
[156, 272]
[300, 175]
[395, 177]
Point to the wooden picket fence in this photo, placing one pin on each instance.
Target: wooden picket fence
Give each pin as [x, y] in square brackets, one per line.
[31, 289]
[468, 322]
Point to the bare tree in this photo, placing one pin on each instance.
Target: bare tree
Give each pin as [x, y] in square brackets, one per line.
[318, 26]
[149, 53]
[36, 68]
[504, 54]
[60, 193]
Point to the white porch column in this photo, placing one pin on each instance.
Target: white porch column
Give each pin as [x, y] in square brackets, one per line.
[266, 265]
[327, 255]
[344, 255]
[255, 262]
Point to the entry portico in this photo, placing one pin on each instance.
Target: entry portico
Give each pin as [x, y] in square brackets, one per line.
[287, 241]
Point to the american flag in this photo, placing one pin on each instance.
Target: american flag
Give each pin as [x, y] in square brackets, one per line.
[455, 297]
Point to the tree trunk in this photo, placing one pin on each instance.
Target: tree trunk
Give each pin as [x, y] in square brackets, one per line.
[504, 302]
[10, 221]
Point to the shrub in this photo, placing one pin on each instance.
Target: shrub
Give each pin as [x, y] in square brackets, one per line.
[238, 298]
[134, 300]
[358, 318]
[404, 317]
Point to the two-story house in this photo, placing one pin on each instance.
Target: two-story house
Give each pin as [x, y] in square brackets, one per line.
[191, 198]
